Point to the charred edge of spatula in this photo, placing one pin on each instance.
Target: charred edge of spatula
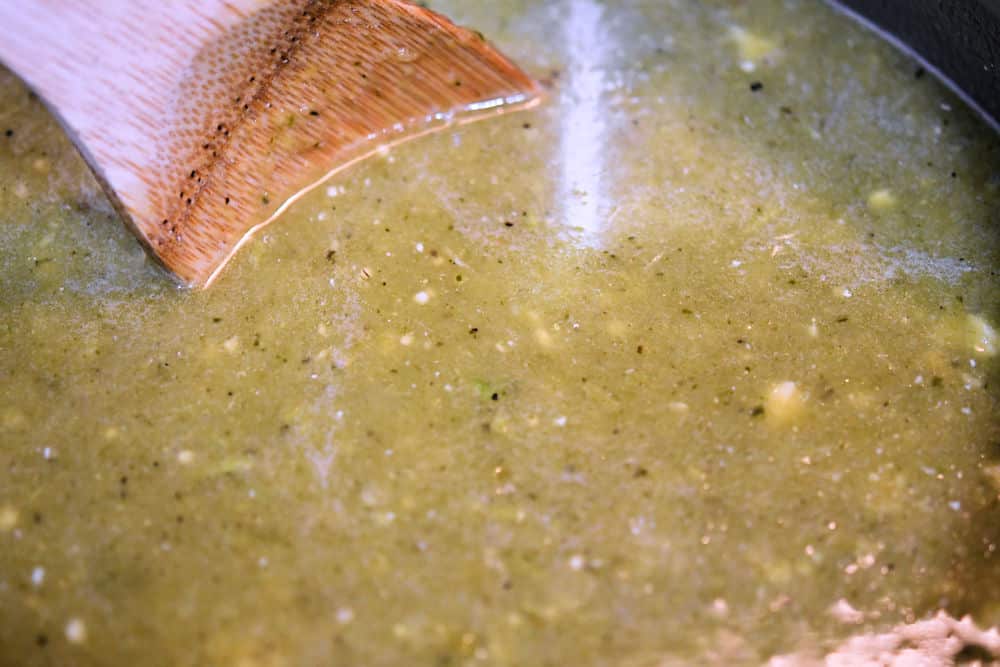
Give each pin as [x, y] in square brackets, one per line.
[344, 116]
[193, 176]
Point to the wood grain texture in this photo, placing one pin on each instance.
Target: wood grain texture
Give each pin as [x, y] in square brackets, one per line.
[204, 120]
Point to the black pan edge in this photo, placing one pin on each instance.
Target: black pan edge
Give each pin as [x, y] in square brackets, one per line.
[956, 40]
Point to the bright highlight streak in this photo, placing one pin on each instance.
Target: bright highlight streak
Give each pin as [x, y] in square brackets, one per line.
[584, 127]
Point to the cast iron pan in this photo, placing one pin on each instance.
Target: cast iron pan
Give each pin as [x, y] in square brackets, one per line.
[959, 40]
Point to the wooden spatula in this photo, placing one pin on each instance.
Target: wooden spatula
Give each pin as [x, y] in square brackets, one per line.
[204, 119]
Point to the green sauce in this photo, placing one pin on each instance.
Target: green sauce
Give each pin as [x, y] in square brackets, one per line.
[659, 372]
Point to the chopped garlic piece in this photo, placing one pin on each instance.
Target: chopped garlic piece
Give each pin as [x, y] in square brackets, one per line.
[231, 345]
[543, 337]
[983, 337]
[784, 402]
[752, 47]
[8, 518]
[881, 201]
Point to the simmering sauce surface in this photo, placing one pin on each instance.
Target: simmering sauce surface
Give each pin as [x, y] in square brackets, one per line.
[669, 370]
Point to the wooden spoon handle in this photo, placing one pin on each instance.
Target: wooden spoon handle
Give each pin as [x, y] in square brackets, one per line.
[203, 119]
[114, 72]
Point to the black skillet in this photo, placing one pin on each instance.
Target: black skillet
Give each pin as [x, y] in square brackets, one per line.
[959, 40]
